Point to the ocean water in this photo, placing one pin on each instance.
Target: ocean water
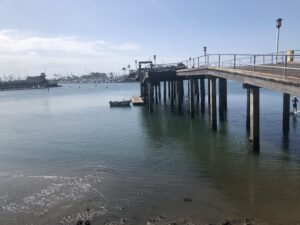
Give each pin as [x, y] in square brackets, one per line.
[66, 155]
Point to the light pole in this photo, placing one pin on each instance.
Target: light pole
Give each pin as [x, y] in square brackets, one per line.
[154, 59]
[278, 25]
[204, 49]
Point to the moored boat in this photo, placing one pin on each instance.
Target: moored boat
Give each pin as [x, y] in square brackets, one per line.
[120, 103]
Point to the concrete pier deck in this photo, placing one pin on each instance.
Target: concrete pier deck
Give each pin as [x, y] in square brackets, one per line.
[252, 71]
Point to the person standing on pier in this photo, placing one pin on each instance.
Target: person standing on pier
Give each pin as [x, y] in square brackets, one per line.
[295, 101]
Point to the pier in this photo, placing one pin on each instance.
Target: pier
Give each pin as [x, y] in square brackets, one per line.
[253, 71]
[36, 82]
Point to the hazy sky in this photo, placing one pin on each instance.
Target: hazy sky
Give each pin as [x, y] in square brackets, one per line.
[78, 36]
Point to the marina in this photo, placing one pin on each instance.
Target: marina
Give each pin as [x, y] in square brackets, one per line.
[117, 162]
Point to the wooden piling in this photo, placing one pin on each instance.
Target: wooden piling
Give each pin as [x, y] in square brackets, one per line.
[180, 94]
[175, 89]
[208, 91]
[254, 118]
[222, 98]
[165, 91]
[202, 92]
[150, 96]
[213, 102]
[172, 93]
[191, 98]
[156, 94]
[159, 92]
[196, 82]
[169, 89]
[248, 111]
[286, 114]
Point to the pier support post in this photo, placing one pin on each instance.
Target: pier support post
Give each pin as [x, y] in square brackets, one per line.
[175, 89]
[150, 97]
[191, 98]
[159, 92]
[254, 116]
[172, 93]
[222, 98]
[286, 114]
[165, 91]
[169, 89]
[182, 87]
[145, 93]
[180, 94]
[202, 97]
[248, 111]
[197, 89]
[140, 78]
[213, 102]
[156, 93]
[208, 91]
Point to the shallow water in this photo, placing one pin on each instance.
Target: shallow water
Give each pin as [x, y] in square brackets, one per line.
[65, 154]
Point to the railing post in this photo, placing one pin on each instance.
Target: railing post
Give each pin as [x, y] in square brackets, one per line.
[193, 63]
[254, 61]
[219, 60]
[207, 60]
[272, 58]
[198, 63]
[234, 61]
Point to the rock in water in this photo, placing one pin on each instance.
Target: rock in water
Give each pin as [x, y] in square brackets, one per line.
[226, 222]
[186, 199]
[79, 222]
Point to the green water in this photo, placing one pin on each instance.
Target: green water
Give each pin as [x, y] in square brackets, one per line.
[65, 154]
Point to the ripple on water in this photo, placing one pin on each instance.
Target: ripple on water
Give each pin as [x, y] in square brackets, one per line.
[59, 193]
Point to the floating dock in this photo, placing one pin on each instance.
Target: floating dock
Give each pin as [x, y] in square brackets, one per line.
[137, 100]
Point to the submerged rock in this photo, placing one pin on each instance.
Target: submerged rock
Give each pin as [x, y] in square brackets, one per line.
[151, 221]
[79, 222]
[159, 218]
[123, 221]
[187, 199]
[247, 222]
[226, 222]
[88, 222]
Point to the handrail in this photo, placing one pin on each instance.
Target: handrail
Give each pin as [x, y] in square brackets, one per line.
[278, 60]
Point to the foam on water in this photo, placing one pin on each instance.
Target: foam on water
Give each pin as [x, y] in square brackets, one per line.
[60, 192]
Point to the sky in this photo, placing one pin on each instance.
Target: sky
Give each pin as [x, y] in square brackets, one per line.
[81, 36]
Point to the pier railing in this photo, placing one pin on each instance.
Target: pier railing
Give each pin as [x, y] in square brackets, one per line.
[283, 63]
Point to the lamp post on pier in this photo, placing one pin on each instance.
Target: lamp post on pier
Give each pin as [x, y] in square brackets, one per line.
[278, 25]
[204, 49]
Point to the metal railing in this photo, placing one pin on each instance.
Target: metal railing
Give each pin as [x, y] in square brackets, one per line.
[283, 63]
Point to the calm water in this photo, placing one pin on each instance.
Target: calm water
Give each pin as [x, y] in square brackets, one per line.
[65, 155]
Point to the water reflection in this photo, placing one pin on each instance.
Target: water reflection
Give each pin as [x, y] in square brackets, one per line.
[264, 186]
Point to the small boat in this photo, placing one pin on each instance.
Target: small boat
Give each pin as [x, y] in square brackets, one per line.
[120, 103]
